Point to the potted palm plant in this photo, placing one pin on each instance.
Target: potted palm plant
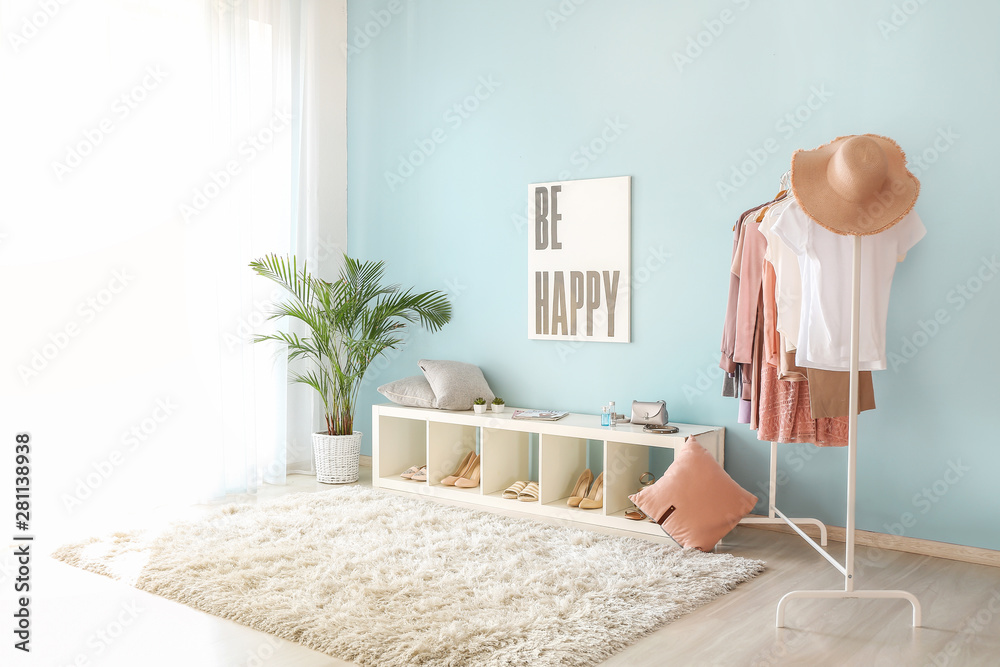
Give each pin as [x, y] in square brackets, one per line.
[348, 323]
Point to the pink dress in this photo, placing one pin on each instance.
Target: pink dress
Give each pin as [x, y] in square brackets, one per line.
[785, 415]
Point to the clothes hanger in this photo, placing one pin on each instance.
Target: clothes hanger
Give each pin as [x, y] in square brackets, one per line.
[785, 183]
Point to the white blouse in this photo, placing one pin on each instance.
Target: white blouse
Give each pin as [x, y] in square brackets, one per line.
[826, 266]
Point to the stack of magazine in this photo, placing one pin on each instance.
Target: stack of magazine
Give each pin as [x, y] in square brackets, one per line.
[539, 415]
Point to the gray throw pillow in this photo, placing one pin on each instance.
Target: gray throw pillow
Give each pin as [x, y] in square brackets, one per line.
[455, 383]
[414, 391]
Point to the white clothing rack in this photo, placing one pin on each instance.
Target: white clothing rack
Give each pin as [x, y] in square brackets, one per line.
[776, 516]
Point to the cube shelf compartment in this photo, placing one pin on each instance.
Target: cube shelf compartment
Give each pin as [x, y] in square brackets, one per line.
[511, 450]
[506, 459]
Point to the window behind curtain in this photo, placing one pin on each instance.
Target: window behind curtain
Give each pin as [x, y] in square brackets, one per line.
[147, 158]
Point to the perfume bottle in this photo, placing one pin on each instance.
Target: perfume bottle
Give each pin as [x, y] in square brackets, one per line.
[611, 409]
[605, 416]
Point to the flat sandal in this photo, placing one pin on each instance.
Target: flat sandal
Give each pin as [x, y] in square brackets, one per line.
[529, 494]
[512, 491]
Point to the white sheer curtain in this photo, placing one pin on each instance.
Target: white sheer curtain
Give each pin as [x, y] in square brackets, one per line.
[247, 200]
[276, 112]
[319, 230]
[152, 149]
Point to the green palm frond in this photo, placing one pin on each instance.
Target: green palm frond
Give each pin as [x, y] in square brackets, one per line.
[285, 272]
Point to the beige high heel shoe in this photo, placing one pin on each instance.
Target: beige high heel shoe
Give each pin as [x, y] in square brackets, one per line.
[594, 499]
[463, 468]
[470, 479]
[580, 490]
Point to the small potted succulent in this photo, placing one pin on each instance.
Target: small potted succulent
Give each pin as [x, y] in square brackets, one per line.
[479, 405]
[498, 404]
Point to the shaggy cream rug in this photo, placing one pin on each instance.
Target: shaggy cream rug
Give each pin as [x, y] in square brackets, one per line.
[378, 579]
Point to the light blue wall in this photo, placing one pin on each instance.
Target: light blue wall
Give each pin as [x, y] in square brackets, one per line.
[931, 84]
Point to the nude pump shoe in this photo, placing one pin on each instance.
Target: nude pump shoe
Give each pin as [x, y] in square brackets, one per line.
[470, 479]
[594, 499]
[580, 490]
[463, 468]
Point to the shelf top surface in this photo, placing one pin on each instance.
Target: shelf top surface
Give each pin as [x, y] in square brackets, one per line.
[574, 424]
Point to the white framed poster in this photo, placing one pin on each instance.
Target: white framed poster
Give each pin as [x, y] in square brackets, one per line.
[579, 260]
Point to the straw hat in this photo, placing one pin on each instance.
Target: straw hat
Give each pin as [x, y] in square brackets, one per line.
[855, 185]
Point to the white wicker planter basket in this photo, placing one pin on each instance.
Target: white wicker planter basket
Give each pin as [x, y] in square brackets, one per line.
[337, 457]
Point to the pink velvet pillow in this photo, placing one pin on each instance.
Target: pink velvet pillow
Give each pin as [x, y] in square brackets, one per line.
[695, 502]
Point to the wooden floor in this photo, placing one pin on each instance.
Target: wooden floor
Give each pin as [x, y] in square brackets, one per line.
[85, 619]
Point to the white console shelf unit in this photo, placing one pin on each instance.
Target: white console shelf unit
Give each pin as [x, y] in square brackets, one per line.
[406, 436]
